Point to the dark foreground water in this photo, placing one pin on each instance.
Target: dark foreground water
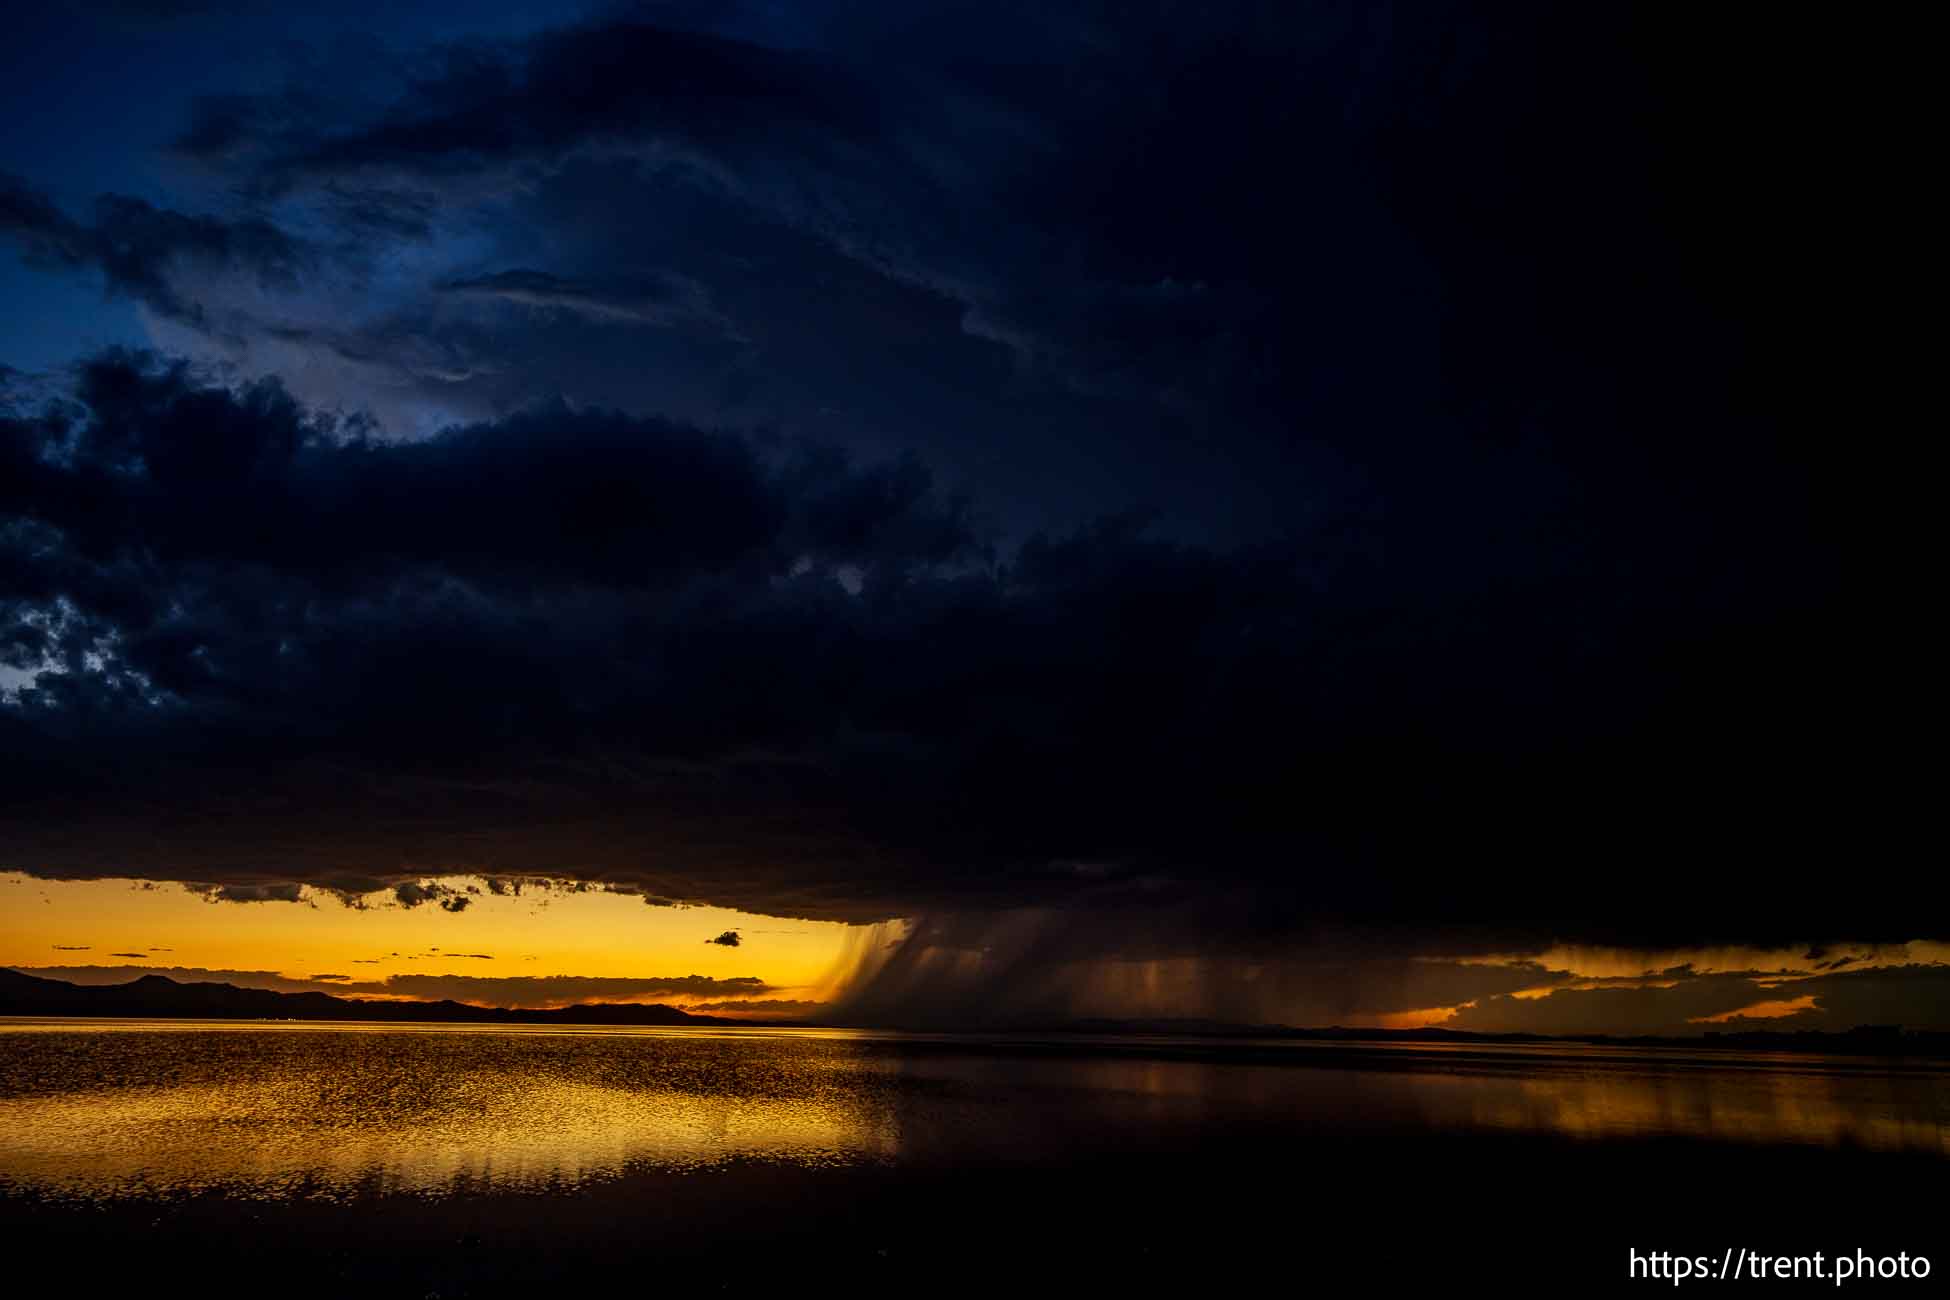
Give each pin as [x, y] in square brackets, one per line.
[461, 1160]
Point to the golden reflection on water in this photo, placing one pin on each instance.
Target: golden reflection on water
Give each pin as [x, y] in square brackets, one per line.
[332, 1111]
[104, 1110]
[1560, 1091]
[1793, 1105]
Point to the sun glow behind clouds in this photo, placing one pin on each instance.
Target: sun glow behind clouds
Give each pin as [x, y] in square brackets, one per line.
[459, 926]
[1773, 1010]
[1591, 962]
[554, 943]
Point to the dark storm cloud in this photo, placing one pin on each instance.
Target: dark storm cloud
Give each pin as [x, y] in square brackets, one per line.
[1486, 381]
[1256, 263]
[140, 249]
[601, 501]
[756, 674]
[821, 170]
[1244, 209]
[286, 892]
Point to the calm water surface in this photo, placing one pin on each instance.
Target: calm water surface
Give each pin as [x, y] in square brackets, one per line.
[111, 1110]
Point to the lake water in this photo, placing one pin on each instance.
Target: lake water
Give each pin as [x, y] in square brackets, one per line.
[417, 1161]
[103, 1111]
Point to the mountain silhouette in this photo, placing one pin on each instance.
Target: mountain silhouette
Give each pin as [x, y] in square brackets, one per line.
[160, 996]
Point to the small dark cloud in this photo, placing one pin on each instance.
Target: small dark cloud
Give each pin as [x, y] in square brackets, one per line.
[414, 893]
[729, 939]
[139, 956]
[331, 977]
[249, 893]
[770, 1006]
[71, 947]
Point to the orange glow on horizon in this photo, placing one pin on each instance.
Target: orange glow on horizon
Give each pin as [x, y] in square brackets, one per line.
[539, 934]
[1645, 966]
[1425, 1018]
[1759, 1011]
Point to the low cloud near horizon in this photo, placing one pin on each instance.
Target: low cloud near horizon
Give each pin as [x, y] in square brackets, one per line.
[530, 992]
[1906, 986]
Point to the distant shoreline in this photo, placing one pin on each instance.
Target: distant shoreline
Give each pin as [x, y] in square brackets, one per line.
[158, 997]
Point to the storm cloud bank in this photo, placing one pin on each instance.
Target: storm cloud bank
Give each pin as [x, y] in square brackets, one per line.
[268, 650]
[1107, 483]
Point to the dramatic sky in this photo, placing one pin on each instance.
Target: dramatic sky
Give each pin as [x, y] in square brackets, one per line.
[1305, 512]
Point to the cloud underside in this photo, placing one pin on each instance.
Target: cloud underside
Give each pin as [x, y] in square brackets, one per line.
[266, 652]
